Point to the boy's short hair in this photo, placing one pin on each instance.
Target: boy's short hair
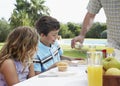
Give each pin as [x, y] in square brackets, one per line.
[46, 24]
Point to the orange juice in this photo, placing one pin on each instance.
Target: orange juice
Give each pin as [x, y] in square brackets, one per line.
[94, 75]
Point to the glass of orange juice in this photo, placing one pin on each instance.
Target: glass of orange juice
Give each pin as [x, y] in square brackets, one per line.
[94, 68]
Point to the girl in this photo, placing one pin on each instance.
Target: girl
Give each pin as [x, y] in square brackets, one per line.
[16, 56]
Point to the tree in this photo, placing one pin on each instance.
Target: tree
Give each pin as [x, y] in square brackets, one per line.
[71, 27]
[104, 34]
[4, 29]
[26, 12]
[64, 32]
[96, 30]
[74, 28]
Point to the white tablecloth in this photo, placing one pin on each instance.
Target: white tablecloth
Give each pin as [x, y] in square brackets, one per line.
[74, 76]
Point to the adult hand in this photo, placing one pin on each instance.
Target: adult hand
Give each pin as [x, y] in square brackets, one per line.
[77, 39]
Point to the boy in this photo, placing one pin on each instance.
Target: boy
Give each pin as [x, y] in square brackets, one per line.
[49, 51]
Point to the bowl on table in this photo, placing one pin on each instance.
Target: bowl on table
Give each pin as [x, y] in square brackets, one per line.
[111, 80]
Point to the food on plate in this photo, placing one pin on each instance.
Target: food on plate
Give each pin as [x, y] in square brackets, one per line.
[62, 66]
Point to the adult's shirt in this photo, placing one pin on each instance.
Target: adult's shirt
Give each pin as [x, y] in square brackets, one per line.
[112, 12]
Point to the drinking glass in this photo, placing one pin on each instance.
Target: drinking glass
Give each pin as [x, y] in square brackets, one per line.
[94, 68]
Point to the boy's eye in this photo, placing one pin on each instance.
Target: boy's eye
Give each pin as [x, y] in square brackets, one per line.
[54, 35]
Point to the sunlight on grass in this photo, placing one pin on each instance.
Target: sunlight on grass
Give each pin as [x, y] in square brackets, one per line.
[1, 44]
[79, 53]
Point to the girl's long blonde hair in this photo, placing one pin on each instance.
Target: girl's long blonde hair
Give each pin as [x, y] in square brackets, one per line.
[21, 44]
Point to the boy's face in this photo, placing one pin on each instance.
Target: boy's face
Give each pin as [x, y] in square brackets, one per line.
[50, 38]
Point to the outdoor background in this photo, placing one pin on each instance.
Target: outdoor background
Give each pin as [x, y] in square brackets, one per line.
[70, 13]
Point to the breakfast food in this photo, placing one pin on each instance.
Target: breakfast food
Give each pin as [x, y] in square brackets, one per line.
[62, 66]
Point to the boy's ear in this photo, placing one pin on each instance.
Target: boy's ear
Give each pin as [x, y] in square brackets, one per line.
[42, 35]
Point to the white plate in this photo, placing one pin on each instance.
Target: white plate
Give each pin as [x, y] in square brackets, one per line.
[77, 62]
[58, 73]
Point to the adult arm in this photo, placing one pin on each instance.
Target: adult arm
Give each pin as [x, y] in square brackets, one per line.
[87, 23]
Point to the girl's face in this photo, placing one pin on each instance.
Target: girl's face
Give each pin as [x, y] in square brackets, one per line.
[50, 38]
[29, 60]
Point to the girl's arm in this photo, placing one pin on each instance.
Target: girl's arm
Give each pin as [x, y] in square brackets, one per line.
[31, 71]
[8, 69]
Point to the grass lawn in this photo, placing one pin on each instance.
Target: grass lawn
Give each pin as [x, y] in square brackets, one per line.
[79, 53]
[68, 51]
[1, 44]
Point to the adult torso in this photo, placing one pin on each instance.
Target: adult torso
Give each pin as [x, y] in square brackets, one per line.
[112, 12]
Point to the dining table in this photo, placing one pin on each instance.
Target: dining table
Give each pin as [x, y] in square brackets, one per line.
[74, 76]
